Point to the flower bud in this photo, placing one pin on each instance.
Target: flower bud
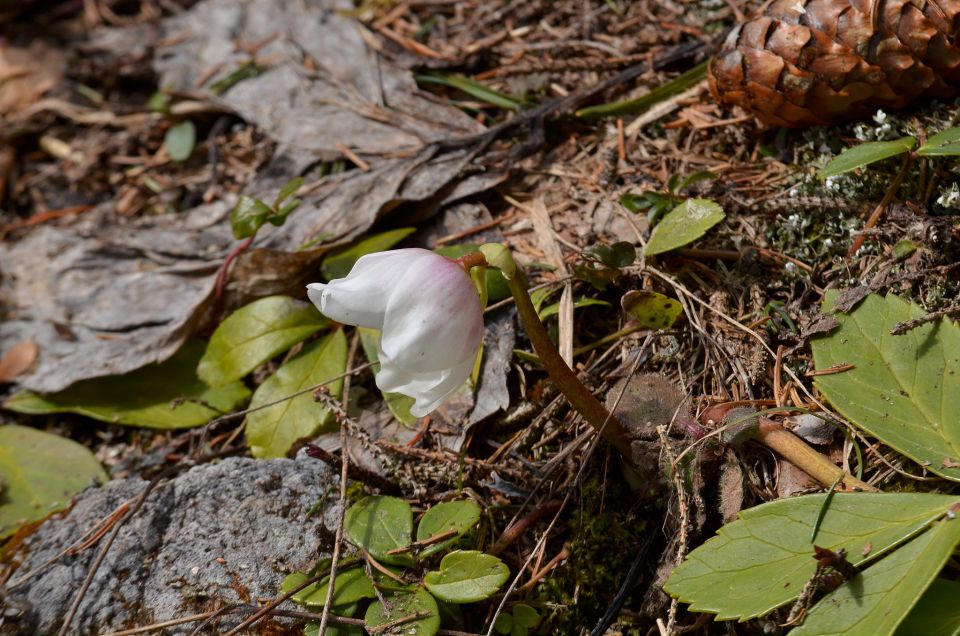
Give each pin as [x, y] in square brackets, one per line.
[428, 312]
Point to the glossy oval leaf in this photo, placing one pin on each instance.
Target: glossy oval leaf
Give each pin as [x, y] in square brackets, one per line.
[379, 525]
[467, 576]
[449, 516]
[763, 559]
[650, 309]
[878, 600]
[271, 431]
[255, 333]
[39, 474]
[937, 613]
[351, 586]
[248, 216]
[339, 263]
[180, 140]
[165, 396]
[904, 390]
[683, 225]
[865, 154]
[420, 604]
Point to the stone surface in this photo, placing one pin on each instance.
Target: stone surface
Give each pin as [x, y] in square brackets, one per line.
[220, 533]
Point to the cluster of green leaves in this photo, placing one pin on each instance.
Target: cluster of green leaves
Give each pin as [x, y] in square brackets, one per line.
[382, 528]
[250, 213]
[905, 391]
[676, 220]
[943, 144]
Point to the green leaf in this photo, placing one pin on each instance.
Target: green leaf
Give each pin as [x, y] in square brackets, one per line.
[280, 217]
[466, 576]
[877, 600]
[503, 624]
[620, 254]
[288, 190]
[936, 143]
[39, 474]
[248, 216]
[554, 309]
[650, 309]
[684, 224]
[351, 586]
[703, 175]
[339, 263]
[865, 154]
[381, 524]
[526, 616]
[349, 611]
[255, 333]
[475, 89]
[946, 150]
[937, 613]
[402, 605]
[444, 517]
[904, 390]
[271, 431]
[398, 403]
[180, 140]
[763, 559]
[142, 397]
[654, 97]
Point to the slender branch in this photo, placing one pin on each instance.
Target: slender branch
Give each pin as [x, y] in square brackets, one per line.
[566, 380]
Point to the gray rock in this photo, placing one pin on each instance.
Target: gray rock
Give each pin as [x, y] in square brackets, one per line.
[217, 534]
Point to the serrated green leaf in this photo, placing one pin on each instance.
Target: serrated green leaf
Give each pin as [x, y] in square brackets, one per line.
[39, 474]
[763, 559]
[877, 600]
[683, 225]
[248, 216]
[865, 154]
[381, 524]
[180, 140]
[905, 390]
[445, 517]
[271, 431]
[398, 403]
[339, 262]
[255, 333]
[937, 613]
[142, 397]
[352, 585]
[467, 576]
[944, 138]
[403, 605]
[650, 309]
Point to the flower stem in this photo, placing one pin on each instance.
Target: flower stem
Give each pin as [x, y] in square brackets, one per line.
[563, 376]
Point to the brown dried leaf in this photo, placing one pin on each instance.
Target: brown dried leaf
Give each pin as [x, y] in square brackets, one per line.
[17, 359]
[27, 73]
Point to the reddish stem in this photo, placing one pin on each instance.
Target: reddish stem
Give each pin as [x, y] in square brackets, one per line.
[239, 249]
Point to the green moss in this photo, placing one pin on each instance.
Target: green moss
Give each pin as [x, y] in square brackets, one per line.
[601, 530]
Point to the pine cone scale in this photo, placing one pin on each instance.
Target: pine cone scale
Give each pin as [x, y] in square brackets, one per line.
[809, 62]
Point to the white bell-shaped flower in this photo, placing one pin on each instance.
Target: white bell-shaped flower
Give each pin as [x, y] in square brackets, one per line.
[428, 312]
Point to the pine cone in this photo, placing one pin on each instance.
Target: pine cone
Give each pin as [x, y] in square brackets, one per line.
[814, 62]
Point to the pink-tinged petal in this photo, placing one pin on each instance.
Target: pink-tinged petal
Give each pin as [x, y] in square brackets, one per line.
[433, 318]
[348, 303]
